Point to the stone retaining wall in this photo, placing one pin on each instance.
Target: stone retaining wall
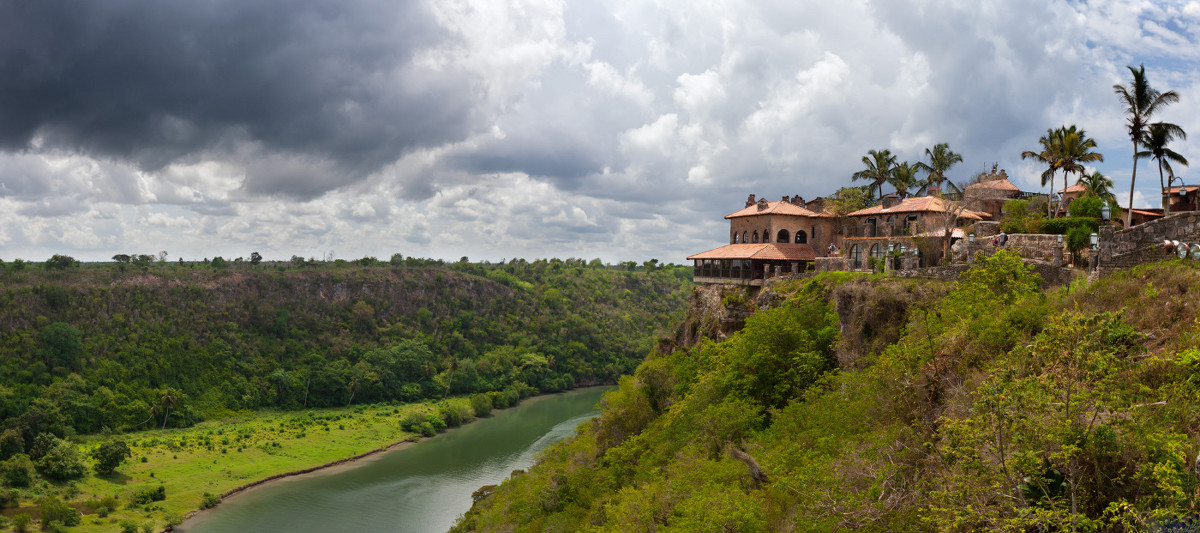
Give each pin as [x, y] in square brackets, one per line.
[1143, 243]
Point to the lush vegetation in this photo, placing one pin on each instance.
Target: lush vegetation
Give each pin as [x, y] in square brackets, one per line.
[142, 345]
[986, 404]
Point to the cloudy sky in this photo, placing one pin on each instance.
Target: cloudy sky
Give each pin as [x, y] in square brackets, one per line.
[530, 128]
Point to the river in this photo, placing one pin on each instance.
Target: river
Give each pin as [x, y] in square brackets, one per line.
[419, 488]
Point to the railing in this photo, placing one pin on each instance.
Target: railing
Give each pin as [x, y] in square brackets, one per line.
[717, 271]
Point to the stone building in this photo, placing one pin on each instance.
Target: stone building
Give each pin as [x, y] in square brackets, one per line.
[893, 225]
[988, 195]
[768, 238]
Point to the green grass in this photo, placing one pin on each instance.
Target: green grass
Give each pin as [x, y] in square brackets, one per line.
[220, 455]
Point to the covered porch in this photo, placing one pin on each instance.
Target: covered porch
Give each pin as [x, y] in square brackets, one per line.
[750, 264]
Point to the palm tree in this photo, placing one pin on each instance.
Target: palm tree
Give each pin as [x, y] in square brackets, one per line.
[879, 165]
[941, 158]
[1141, 103]
[1157, 139]
[1075, 149]
[1098, 185]
[904, 177]
[1049, 157]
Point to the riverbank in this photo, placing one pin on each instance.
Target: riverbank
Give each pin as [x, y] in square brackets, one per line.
[351, 462]
[228, 456]
[423, 487]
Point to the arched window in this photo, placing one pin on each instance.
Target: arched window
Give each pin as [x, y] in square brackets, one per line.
[735, 238]
[754, 237]
[766, 235]
[870, 227]
[801, 237]
[856, 256]
[877, 251]
[910, 223]
[782, 238]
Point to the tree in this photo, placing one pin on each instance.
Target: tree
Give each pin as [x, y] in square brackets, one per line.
[17, 471]
[1142, 102]
[60, 262]
[1098, 185]
[941, 158]
[255, 258]
[850, 199]
[879, 165]
[1160, 135]
[110, 455]
[61, 344]
[219, 262]
[1075, 149]
[904, 177]
[62, 462]
[1049, 157]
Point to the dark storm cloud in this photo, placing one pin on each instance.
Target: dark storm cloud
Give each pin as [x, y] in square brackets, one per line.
[156, 82]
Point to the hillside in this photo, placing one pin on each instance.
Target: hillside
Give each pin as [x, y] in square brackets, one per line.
[882, 404]
[115, 348]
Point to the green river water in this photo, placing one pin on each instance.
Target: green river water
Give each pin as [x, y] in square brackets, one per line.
[420, 488]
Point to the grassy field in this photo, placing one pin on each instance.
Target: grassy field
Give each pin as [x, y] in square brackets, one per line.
[218, 456]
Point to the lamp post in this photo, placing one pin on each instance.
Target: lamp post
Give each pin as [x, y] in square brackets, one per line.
[1182, 192]
[971, 238]
[1095, 240]
[1106, 212]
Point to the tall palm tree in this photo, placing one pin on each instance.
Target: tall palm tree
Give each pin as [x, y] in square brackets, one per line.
[1049, 157]
[1157, 139]
[1098, 185]
[904, 177]
[1075, 149]
[879, 165]
[1141, 103]
[941, 158]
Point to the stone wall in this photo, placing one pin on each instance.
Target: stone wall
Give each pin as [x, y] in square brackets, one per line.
[1030, 246]
[1052, 275]
[831, 264]
[1143, 243]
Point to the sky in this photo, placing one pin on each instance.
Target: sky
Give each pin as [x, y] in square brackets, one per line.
[495, 129]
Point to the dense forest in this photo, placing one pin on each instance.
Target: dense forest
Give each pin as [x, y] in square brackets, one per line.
[140, 344]
[881, 404]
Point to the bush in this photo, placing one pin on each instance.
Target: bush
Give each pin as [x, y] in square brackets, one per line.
[22, 521]
[145, 496]
[209, 500]
[62, 462]
[17, 471]
[109, 456]
[1061, 226]
[1086, 207]
[454, 415]
[410, 421]
[426, 429]
[481, 405]
[54, 510]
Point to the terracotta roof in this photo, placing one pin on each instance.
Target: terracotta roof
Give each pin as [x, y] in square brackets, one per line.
[778, 252]
[778, 207]
[1074, 188]
[1000, 184]
[920, 204]
[1188, 188]
[1147, 213]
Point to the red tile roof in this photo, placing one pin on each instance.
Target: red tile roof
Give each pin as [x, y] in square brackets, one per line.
[1074, 188]
[778, 207]
[1000, 184]
[776, 252]
[919, 204]
[1175, 190]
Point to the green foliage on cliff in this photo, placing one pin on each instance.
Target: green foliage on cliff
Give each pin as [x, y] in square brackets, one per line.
[999, 407]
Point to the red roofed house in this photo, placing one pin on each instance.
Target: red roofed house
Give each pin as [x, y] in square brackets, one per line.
[1182, 198]
[990, 193]
[767, 239]
[892, 225]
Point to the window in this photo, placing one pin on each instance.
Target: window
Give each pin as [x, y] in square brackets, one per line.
[856, 257]
[801, 238]
[745, 237]
[755, 236]
[877, 251]
[782, 238]
[910, 223]
[766, 235]
[870, 230]
[735, 238]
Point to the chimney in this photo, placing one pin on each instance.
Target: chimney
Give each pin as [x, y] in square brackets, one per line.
[817, 205]
[798, 200]
[787, 199]
[750, 200]
[890, 201]
[762, 204]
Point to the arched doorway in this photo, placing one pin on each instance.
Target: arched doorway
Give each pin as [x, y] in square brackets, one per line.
[801, 237]
[782, 237]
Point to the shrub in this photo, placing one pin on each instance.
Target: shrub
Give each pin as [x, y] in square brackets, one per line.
[17, 471]
[455, 415]
[435, 421]
[145, 496]
[209, 500]
[410, 421]
[1086, 207]
[22, 521]
[481, 405]
[110, 455]
[54, 510]
[62, 462]
[1060, 226]
[426, 429]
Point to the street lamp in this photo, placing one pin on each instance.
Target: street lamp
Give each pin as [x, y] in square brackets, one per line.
[1182, 191]
[971, 238]
[1106, 212]
[1095, 240]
